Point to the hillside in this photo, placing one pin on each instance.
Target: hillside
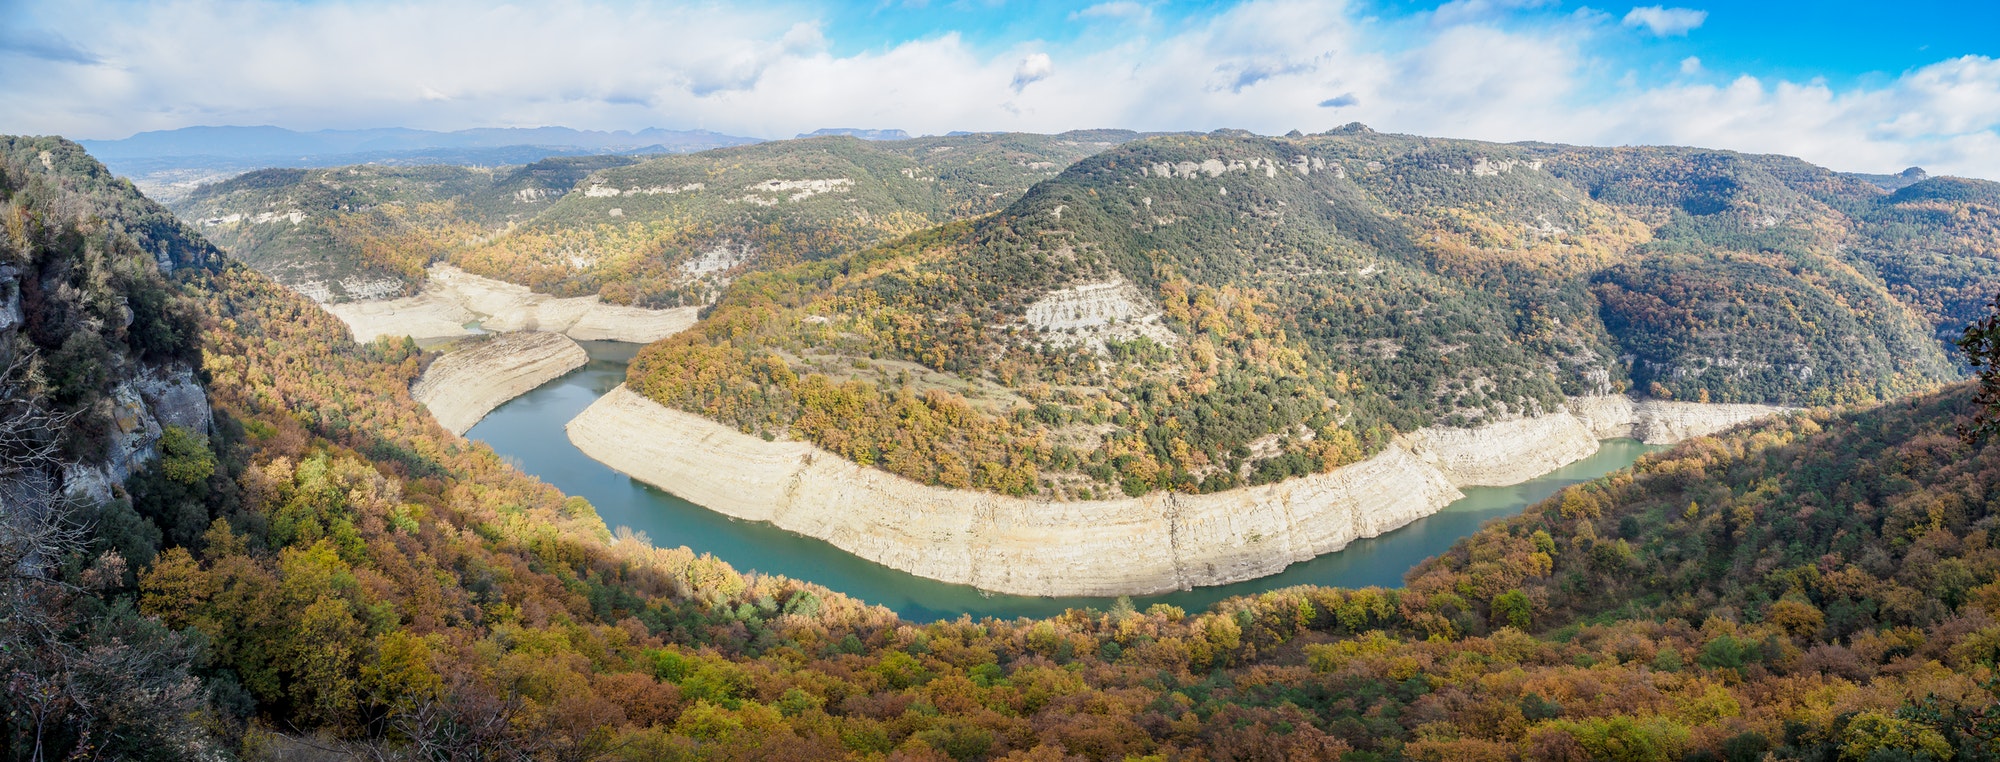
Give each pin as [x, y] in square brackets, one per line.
[670, 230]
[661, 232]
[323, 570]
[98, 389]
[367, 232]
[1201, 312]
[329, 571]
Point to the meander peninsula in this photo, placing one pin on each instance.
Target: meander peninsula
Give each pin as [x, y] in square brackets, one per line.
[1153, 543]
[462, 386]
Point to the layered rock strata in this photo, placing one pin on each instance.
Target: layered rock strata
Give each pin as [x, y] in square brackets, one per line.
[453, 298]
[1511, 452]
[1158, 542]
[461, 387]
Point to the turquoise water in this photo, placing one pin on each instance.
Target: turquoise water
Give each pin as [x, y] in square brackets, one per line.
[528, 431]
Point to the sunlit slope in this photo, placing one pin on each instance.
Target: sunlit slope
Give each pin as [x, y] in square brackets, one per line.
[1200, 312]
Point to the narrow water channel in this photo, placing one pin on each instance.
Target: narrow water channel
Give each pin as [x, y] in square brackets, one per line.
[528, 431]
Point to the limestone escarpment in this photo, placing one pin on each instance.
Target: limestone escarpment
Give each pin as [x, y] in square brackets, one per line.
[141, 408]
[452, 298]
[463, 386]
[1660, 421]
[1157, 542]
[1161, 541]
[1514, 451]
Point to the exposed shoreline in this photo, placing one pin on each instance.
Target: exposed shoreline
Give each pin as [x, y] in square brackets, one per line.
[1150, 544]
[451, 298]
[461, 387]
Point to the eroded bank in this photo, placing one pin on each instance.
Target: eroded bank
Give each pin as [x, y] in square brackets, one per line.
[1153, 543]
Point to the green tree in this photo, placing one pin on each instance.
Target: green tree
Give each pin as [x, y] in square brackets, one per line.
[1981, 345]
[1512, 608]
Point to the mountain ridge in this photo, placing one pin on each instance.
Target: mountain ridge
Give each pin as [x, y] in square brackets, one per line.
[1198, 312]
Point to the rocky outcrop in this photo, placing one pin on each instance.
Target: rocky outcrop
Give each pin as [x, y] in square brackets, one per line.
[461, 387]
[141, 409]
[1506, 452]
[1092, 314]
[452, 299]
[10, 298]
[1158, 542]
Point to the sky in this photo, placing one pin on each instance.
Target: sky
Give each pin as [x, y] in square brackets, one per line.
[1857, 86]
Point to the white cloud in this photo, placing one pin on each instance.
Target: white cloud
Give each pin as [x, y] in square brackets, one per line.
[1035, 68]
[1267, 65]
[1691, 65]
[1665, 22]
[1481, 11]
[1126, 10]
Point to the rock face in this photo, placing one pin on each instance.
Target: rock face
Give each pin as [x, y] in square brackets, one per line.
[1511, 452]
[463, 386]
[142, 407]
[1094, 313]
[10, 298]
[1158, 542]
[451, 298]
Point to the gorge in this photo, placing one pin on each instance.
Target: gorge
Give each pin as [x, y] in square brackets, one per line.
[527, 431]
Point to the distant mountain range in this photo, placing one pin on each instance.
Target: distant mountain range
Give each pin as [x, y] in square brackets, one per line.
[169, 163]
[855, 132]
[278, 143]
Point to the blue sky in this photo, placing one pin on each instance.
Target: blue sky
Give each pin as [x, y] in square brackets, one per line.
[1841, 40]
[1866, 86]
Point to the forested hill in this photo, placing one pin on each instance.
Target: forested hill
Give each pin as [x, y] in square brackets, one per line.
[668, 230]
[1198, 312]
[319, 570]
[657, 232]
[368, 232]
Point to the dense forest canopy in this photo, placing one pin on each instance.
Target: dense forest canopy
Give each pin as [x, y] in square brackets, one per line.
[326, 569]
[1201, 312]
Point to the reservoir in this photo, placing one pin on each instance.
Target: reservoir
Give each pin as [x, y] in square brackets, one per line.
[528, 432]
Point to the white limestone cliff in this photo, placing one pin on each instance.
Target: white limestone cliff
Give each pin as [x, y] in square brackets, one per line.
[461, 387]
[1158, 542]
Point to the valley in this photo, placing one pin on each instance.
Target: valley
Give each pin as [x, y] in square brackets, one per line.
[1224, 387]
[231, 528]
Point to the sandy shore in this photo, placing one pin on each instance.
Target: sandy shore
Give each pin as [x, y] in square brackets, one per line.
[463, 386]
[1149, 544]
[452, 298]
